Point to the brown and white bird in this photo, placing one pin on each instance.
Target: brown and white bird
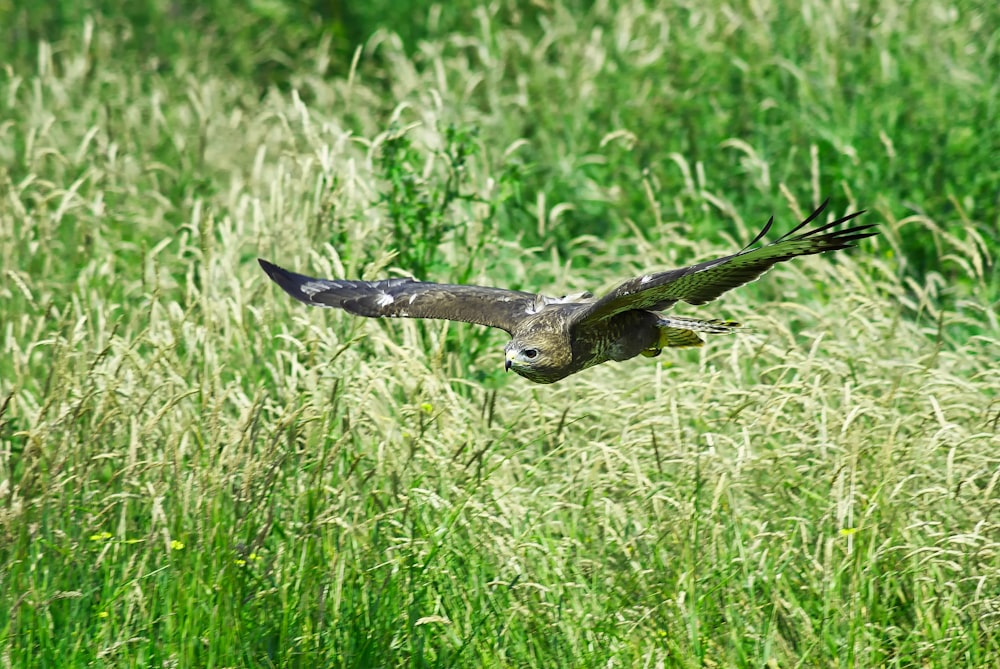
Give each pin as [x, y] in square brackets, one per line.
[552, 338]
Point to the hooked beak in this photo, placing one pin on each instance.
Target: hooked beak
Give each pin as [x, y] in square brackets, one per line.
[509, 362]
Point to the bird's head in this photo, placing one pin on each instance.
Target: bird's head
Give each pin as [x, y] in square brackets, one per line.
[538, 358]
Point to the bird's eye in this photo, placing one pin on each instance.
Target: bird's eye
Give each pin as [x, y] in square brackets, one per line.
[530, 353]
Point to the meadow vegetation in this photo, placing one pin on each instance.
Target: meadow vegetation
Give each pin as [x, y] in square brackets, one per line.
[197, 471]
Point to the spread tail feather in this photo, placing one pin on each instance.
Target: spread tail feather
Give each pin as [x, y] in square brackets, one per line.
[714, 326]
[680, 332]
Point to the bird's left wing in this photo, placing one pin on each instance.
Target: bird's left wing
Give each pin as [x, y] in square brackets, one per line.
[707, 280]
[408, 298]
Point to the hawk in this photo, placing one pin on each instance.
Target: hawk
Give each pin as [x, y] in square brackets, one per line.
[551, 337]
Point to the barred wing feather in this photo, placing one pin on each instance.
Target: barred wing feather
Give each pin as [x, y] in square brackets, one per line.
[707, 280]
[408, 298]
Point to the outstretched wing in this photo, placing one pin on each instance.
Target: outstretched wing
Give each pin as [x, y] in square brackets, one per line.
[408, 298]
[707, 280]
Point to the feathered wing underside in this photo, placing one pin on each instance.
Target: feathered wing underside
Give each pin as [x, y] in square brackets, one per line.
[707, 280]
[408, 298]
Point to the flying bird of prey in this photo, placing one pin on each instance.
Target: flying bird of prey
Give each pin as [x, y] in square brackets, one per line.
[552, 338]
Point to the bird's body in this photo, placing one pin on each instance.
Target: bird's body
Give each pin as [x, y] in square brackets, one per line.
[575, 348]
[552, 338]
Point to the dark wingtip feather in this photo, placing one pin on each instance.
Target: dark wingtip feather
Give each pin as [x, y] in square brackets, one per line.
[812, 217]
[842, 239]
[277, 274]
[269, 268]
[290, 282]
[854, 234]
[832, 224]
[760, 235]
[819, 210]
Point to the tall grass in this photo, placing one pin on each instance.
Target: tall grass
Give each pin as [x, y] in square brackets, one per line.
[196, 471]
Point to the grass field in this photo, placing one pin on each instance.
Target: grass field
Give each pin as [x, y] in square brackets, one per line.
[196, 471]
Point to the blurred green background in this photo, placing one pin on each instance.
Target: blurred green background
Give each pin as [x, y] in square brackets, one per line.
[898, 103]
[197, 471]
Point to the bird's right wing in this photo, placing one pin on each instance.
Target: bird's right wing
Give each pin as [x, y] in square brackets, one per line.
[707, 280]
[408, 298]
